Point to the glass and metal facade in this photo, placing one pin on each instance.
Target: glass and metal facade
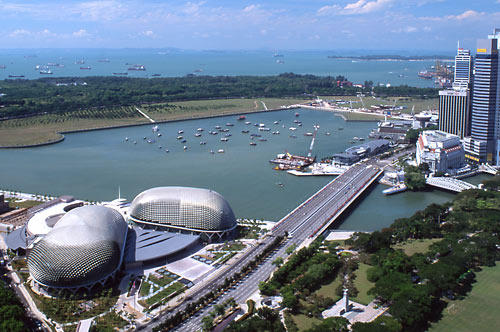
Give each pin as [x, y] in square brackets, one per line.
[481, 146]
[84, 248]
[187, 209]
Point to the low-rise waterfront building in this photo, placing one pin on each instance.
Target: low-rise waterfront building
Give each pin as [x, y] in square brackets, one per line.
[441, 151]
[358, 152]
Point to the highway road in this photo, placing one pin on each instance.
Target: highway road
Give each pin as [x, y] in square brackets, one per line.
[303, 223]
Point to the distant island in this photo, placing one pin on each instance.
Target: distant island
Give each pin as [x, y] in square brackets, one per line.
[392, 57]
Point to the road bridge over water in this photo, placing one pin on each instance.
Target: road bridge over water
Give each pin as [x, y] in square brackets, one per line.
[302, 225]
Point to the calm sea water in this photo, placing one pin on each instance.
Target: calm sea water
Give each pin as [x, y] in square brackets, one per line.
[180, 63]
[93, 165]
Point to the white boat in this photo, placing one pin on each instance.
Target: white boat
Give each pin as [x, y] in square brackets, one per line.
[185, 147]
[220, 151]
[396, 189]
[292, 128]
[126, 138]
[155, 128]
[247, 122]
[179, 137]
[224, 139]
[275, 122]
[180, 132]
[200, 129]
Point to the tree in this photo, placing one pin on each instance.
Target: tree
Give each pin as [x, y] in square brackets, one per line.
[207, 323]
[332, 324]
[278, 262]
[381, 324]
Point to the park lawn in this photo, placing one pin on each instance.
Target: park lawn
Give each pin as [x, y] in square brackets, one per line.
[161, 282]
[216, 107]
[352, 116]
[304, 323]
[39, 129]
[363, 285]
[420, 104]
[46, 128]
[144, 290]
[329, 290]
[164, 293]
[416, 246]
[23, 204]
[479, 310]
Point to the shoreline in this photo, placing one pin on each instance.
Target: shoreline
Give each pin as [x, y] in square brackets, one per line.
[62, 138]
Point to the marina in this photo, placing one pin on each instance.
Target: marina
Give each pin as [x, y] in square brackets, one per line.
[134, 165]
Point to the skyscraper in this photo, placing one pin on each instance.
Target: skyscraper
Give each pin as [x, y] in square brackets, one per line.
[454, 104]
[484, 142]
[454, 111]
[463, 69]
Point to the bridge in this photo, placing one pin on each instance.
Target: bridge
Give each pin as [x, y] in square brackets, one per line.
[303, 225]
[450, 184]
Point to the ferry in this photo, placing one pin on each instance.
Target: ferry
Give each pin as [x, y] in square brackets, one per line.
[137, 67]
[396, 189]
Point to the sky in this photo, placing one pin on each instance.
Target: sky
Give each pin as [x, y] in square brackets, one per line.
[248, 25]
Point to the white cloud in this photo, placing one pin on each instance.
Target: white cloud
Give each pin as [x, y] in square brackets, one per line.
[408, 29]
[147, 33]
[80, 33]
[99, 10]
[469, 14]
[250, 8]
[355, 8]
[19, 33]
[191, 8]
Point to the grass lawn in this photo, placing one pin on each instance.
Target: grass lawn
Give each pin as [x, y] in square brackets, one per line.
[420, 104]
[416, 246]
[479, 310]
[145, 286]
[303, 322]
[24, 204]
[45, 128]
[351, 116]
[161, 282]
[329, 289]
[164, 293]
[363, 285]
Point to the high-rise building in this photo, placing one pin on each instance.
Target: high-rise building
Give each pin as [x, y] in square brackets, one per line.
[463, 69]
[484, 143]
[454, 112]
[454, 104]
